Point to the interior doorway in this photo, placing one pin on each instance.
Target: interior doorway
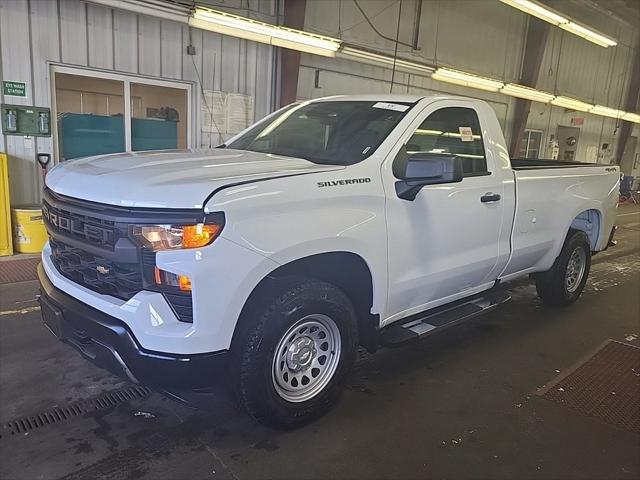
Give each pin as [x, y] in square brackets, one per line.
[567, 142]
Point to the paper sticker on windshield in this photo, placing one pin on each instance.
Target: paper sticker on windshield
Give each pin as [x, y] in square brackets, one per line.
[466, 135]
[391, 106]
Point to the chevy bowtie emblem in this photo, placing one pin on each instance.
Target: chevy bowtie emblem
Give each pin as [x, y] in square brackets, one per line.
[102, 269]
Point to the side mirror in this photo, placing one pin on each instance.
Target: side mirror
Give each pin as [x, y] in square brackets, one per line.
[420, 169]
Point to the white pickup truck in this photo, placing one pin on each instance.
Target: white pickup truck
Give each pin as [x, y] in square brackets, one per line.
[332, 223]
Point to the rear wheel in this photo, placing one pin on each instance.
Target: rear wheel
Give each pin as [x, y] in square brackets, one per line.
[293, 353]
[564, 282]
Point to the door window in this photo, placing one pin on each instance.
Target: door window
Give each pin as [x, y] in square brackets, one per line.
[454, 130]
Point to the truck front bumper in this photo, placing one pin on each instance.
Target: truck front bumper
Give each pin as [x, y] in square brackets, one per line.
[110, 344]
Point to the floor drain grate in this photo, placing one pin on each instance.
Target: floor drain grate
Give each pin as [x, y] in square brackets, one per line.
[76, 409]
[605, 386]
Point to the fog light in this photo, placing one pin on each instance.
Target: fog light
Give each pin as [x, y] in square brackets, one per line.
[163, 277]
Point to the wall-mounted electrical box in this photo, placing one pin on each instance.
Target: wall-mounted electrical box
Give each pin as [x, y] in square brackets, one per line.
[26, 121]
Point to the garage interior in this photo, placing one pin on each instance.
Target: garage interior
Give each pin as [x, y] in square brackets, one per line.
[525, 391]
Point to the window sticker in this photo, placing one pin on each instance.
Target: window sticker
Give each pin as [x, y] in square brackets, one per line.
[466, 135]
[391, 106]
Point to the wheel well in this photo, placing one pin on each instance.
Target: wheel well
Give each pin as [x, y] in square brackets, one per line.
[588, 222]
[345, 270]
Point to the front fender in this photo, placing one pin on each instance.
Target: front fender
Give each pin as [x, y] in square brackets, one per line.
[292, 218]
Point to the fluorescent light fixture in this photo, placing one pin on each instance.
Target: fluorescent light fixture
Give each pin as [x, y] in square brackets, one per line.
[537, 10]
[154, 8]
[588, 34]
[572, 104]
[425, 131]
[606, 111]
[529, 93]
[241, 27]
[377, 59]
[467, 79]
[631, 117]
[545, 13]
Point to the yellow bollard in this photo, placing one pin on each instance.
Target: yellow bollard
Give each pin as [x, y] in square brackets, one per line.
[6, 245]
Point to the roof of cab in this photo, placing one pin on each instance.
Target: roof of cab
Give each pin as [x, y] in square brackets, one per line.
[385, 97]
[372, 97]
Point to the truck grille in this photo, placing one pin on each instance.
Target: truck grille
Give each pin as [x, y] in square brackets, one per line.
[121, 280]
[93, 230]
[110, 264]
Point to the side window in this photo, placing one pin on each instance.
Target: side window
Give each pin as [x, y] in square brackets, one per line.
[452, 130]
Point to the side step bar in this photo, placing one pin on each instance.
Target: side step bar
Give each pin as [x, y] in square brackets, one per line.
[441, 318]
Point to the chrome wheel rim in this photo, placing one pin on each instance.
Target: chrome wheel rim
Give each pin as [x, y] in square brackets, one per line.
[306, 358]
[575, 269]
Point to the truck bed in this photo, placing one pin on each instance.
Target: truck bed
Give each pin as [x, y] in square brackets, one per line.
[549, 199]
[532, 164]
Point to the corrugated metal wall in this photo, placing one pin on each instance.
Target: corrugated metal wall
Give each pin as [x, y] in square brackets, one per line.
[72, 32]
[480, 36]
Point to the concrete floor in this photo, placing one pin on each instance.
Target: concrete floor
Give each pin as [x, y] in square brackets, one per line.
[457, 405]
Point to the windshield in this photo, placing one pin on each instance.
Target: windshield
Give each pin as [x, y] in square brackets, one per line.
[339, 133]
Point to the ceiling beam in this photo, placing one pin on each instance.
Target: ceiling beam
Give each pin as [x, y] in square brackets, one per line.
[535, 44]
[294, 12]
[630, 105]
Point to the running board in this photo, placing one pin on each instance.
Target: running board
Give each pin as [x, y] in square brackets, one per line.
[441, 318]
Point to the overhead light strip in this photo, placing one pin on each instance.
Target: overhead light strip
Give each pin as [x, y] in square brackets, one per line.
[467, 79]
[155, 8]
[521, 91]
[528, 93]
[543, 12]
[241, 27]
[588, 34]
[537, 10]
[572, 104]
[371, 58]
[607, 112]
[471, 80]
[631, 117]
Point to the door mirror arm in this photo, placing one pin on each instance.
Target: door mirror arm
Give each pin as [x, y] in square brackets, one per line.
[420, 169]
[407, 191]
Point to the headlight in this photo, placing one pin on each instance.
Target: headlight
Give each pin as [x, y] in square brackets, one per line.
[168, 237]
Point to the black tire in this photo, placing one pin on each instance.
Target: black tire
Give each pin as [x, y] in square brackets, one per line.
[261, 330]
[552, 285]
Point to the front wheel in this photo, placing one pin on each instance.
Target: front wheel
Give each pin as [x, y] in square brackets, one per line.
[564, 282]
[294, 353]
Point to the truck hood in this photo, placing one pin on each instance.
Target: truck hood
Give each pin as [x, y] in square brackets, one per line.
[168, 179]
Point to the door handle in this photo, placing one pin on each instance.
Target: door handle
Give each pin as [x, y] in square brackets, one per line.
[490, 197]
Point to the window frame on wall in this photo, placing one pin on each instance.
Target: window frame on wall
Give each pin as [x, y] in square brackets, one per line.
[127, 80]
[528, 132]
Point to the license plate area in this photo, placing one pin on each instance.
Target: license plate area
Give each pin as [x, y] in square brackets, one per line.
[52, 317]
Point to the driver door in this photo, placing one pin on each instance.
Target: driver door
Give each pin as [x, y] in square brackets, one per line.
[444, 245]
